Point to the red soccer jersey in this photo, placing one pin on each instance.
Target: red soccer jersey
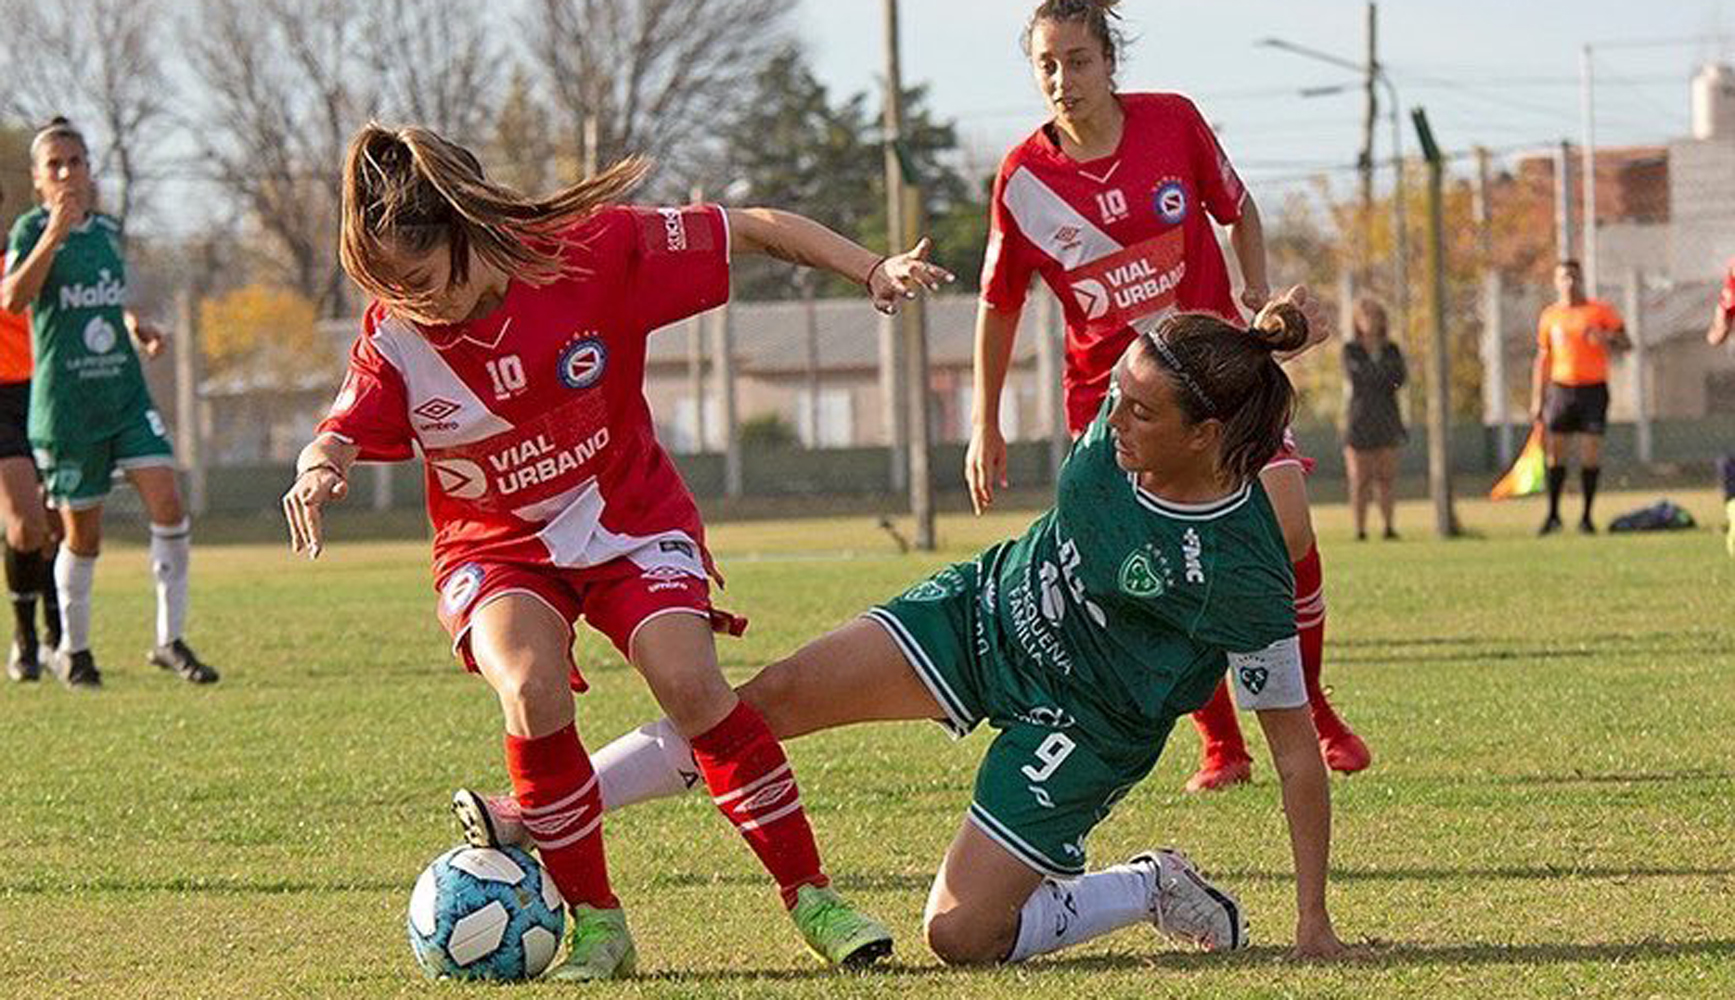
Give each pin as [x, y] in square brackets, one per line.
[1726, 301]
[532, 423]
[1122, 240]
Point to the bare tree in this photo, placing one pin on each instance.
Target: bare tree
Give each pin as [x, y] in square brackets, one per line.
[283, 98]
[289, 81]
[653, 74]
[436, 64]
[98, 62]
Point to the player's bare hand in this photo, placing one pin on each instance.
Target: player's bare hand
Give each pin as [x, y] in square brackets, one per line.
[903, 275]
[302, 507]
[1319, 325]
[1254, 297]
[66, 208]
[985, 466]
[150, 339]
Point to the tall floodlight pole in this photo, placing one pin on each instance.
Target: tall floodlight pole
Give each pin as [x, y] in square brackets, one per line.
[1439, 364]
[903, 210]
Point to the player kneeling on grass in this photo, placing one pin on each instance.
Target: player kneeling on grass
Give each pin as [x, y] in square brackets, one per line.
[507, 347]
[1160, 567]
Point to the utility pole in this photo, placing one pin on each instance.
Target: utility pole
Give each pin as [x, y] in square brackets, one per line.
[1049, 398]
[1640, 360]
[187, 408]
[1563, 241]
[1439, 364]
[1364, 259]
[903, 208]
[1588, 100]
[1495, 395]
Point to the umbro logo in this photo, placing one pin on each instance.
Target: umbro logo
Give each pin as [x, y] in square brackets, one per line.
[437, 409]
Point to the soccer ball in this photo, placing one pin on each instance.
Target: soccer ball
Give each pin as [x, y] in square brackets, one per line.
[482, 913]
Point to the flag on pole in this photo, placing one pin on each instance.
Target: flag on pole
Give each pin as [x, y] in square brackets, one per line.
[1529, 472]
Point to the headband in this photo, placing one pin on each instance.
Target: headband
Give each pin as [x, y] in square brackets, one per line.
[1173, 363]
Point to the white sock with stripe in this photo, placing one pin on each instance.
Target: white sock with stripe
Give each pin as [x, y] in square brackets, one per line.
[653, 761]
[171, 554]
[1062, 914]
[73, 577]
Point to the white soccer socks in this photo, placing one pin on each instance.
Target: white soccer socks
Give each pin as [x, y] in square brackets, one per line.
[653, 761]
[73, 576]
[171, 554]
[1062, 914]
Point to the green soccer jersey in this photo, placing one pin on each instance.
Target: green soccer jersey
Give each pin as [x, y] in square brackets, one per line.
[87, 384]
[1131, 608]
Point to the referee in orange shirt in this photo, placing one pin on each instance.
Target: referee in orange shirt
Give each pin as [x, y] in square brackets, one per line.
[1569, 388]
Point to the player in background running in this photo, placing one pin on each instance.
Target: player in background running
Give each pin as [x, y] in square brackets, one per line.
[506, 347]
[90, 411]
[1111, 203]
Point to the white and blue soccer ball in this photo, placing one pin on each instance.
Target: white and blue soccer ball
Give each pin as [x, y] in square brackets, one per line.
[485, 913]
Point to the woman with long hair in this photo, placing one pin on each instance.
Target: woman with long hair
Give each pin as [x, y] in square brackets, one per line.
[1111, 202]
[1373, 429]
[506, 346]
[1160, 569]
[90, 412]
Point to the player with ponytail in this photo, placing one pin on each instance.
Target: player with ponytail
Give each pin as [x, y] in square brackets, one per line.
[1112, 202]
[506, 348]
[1160, 570]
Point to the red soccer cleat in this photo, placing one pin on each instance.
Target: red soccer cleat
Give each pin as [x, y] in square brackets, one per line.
[1219, 772]
[1345, 752]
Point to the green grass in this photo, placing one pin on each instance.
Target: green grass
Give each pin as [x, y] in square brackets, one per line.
[1550, 812]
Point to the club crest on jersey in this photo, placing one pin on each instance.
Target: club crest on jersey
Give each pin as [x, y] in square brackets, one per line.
[583, 362]
[461, 588]
[459, 478]
[1170, 202]
[1146, 574]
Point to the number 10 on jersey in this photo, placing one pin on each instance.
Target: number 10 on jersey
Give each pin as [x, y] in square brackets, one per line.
[508, 375]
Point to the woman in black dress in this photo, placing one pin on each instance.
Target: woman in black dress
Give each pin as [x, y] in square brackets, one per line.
[1373, 370]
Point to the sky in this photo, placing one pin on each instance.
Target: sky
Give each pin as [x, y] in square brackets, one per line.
[1498, 73]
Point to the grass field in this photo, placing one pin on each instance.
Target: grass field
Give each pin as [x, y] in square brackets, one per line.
[1551, 811]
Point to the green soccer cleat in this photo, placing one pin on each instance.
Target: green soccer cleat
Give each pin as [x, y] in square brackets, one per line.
[600, 947]
[836, 931]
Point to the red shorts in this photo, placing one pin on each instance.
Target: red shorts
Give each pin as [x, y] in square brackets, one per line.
[615, 598]
[1289, 454]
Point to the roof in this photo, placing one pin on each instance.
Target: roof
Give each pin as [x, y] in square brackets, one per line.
[771, 337]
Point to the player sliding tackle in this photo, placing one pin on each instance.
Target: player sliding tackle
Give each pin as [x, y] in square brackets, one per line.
[1160, 568]
[506, 345]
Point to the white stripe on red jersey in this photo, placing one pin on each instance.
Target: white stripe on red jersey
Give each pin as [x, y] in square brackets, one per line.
[538, 443]
[1124, 241]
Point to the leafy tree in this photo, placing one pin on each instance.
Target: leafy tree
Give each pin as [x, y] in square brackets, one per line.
[264, 331]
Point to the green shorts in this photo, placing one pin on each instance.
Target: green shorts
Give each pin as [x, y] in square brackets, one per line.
[1044, 783]
[79, 474]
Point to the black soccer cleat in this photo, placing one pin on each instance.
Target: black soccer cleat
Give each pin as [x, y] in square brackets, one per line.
[24, 667]
[180, 658]
[77, 670]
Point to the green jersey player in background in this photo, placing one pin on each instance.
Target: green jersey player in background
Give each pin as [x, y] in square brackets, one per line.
[90, 413]
[1160, 568]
